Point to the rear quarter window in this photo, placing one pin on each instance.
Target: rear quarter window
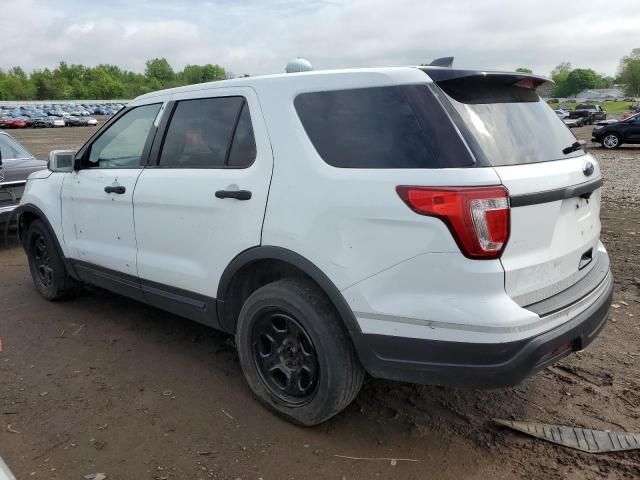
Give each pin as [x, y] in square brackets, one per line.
[375, 127]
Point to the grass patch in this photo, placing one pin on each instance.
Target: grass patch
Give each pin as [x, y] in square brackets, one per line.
[609, 107]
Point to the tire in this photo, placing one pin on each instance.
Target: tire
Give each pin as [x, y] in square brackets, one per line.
[46, 265]
[611, 141]
[289, 329]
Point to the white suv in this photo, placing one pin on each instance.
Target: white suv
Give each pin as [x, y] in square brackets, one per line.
[428, 224]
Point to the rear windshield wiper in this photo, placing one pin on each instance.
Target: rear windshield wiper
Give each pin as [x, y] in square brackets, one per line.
[580, 144]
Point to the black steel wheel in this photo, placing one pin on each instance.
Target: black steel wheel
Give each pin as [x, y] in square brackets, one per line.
[46, 263]
[42, 259]
[285, 357]
[296, 353]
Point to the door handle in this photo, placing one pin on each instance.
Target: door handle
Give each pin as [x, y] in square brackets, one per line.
[119, 189]
[237, 194]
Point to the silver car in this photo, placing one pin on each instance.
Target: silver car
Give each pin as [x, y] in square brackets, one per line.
[16, 163]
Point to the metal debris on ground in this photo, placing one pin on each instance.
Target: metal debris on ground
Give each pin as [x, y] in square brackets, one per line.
[584, 439]
[392, 461]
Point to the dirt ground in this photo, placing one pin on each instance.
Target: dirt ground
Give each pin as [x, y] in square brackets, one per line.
[103, 384]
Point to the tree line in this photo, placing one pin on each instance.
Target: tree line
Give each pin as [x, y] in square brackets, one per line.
[105, 82]
[570, 81]
[78, 82]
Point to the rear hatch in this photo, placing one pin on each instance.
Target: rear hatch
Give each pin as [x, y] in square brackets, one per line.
[554, 186]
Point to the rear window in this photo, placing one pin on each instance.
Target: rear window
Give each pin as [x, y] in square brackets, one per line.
[378, 128]
[505, 124]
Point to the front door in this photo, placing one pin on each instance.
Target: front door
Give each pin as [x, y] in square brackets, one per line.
[202, 199]
[97, 199]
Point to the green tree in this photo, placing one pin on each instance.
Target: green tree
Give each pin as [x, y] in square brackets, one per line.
[581, 79]
[559, 76]
[72, 81]
[159, 69]
[629, 73]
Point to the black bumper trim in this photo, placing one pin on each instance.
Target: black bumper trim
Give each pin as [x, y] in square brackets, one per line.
[582, 288]
[479, 365]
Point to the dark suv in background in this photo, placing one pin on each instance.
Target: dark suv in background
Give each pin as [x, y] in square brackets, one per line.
[612, 135]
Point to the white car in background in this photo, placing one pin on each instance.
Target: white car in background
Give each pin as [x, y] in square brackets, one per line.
[427, 224]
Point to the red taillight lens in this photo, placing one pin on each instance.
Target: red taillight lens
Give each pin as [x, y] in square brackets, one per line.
[478, 217]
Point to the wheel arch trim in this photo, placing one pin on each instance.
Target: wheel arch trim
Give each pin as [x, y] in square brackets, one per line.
[296, 260]
[40, 215]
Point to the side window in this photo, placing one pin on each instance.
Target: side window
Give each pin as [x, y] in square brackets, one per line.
[122, 144]
[10, 149]
[209, 133]
[243, 148]
[365, 128]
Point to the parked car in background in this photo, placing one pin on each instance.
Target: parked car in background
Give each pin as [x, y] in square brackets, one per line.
[72, 121]
[454, 249]
[585, 115]
[561, 114]
[574, 122]
[612, 135]
[16, 164]
[597, 113]
[13, 123]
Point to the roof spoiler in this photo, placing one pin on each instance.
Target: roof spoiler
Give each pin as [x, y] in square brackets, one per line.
[442, 62]
[506, 78]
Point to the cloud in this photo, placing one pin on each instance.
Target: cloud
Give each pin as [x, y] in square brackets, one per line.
[258, 37]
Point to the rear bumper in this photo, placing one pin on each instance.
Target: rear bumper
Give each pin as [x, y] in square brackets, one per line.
[480, 365]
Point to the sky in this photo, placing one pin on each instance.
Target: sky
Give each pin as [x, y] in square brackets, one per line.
[260, 37]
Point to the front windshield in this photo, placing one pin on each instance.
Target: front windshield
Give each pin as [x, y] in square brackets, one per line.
[507, 126]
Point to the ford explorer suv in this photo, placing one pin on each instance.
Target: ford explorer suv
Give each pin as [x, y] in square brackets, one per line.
[613, 134]
[428, 225]
[16, 164]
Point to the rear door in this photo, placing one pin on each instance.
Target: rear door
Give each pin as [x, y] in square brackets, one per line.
[554, 189]
[202, 199]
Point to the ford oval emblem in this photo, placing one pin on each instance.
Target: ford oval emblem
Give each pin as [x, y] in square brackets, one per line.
[588, 168]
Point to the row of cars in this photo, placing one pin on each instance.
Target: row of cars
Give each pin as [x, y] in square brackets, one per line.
[57, 115]
[611, 133]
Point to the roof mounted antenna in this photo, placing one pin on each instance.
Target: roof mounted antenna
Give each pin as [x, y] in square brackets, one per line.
[299, 65]
[442, 62]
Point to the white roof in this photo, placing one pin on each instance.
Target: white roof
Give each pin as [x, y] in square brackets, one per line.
[314, 80]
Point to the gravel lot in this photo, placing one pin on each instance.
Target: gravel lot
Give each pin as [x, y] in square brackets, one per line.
[103, 384]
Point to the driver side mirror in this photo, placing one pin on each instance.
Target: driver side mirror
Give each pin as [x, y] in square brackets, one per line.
[61, 161]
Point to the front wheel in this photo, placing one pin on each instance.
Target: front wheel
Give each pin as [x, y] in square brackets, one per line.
[611, 141]
[295, 352]
[46, 265]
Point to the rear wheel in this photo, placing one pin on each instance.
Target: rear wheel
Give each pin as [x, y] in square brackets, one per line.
[45, 263]
[295, 352]
[611, 141]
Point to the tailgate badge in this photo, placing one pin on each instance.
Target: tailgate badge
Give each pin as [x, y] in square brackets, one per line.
[588, 168]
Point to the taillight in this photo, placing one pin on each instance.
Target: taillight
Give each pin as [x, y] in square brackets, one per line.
[477, 217]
